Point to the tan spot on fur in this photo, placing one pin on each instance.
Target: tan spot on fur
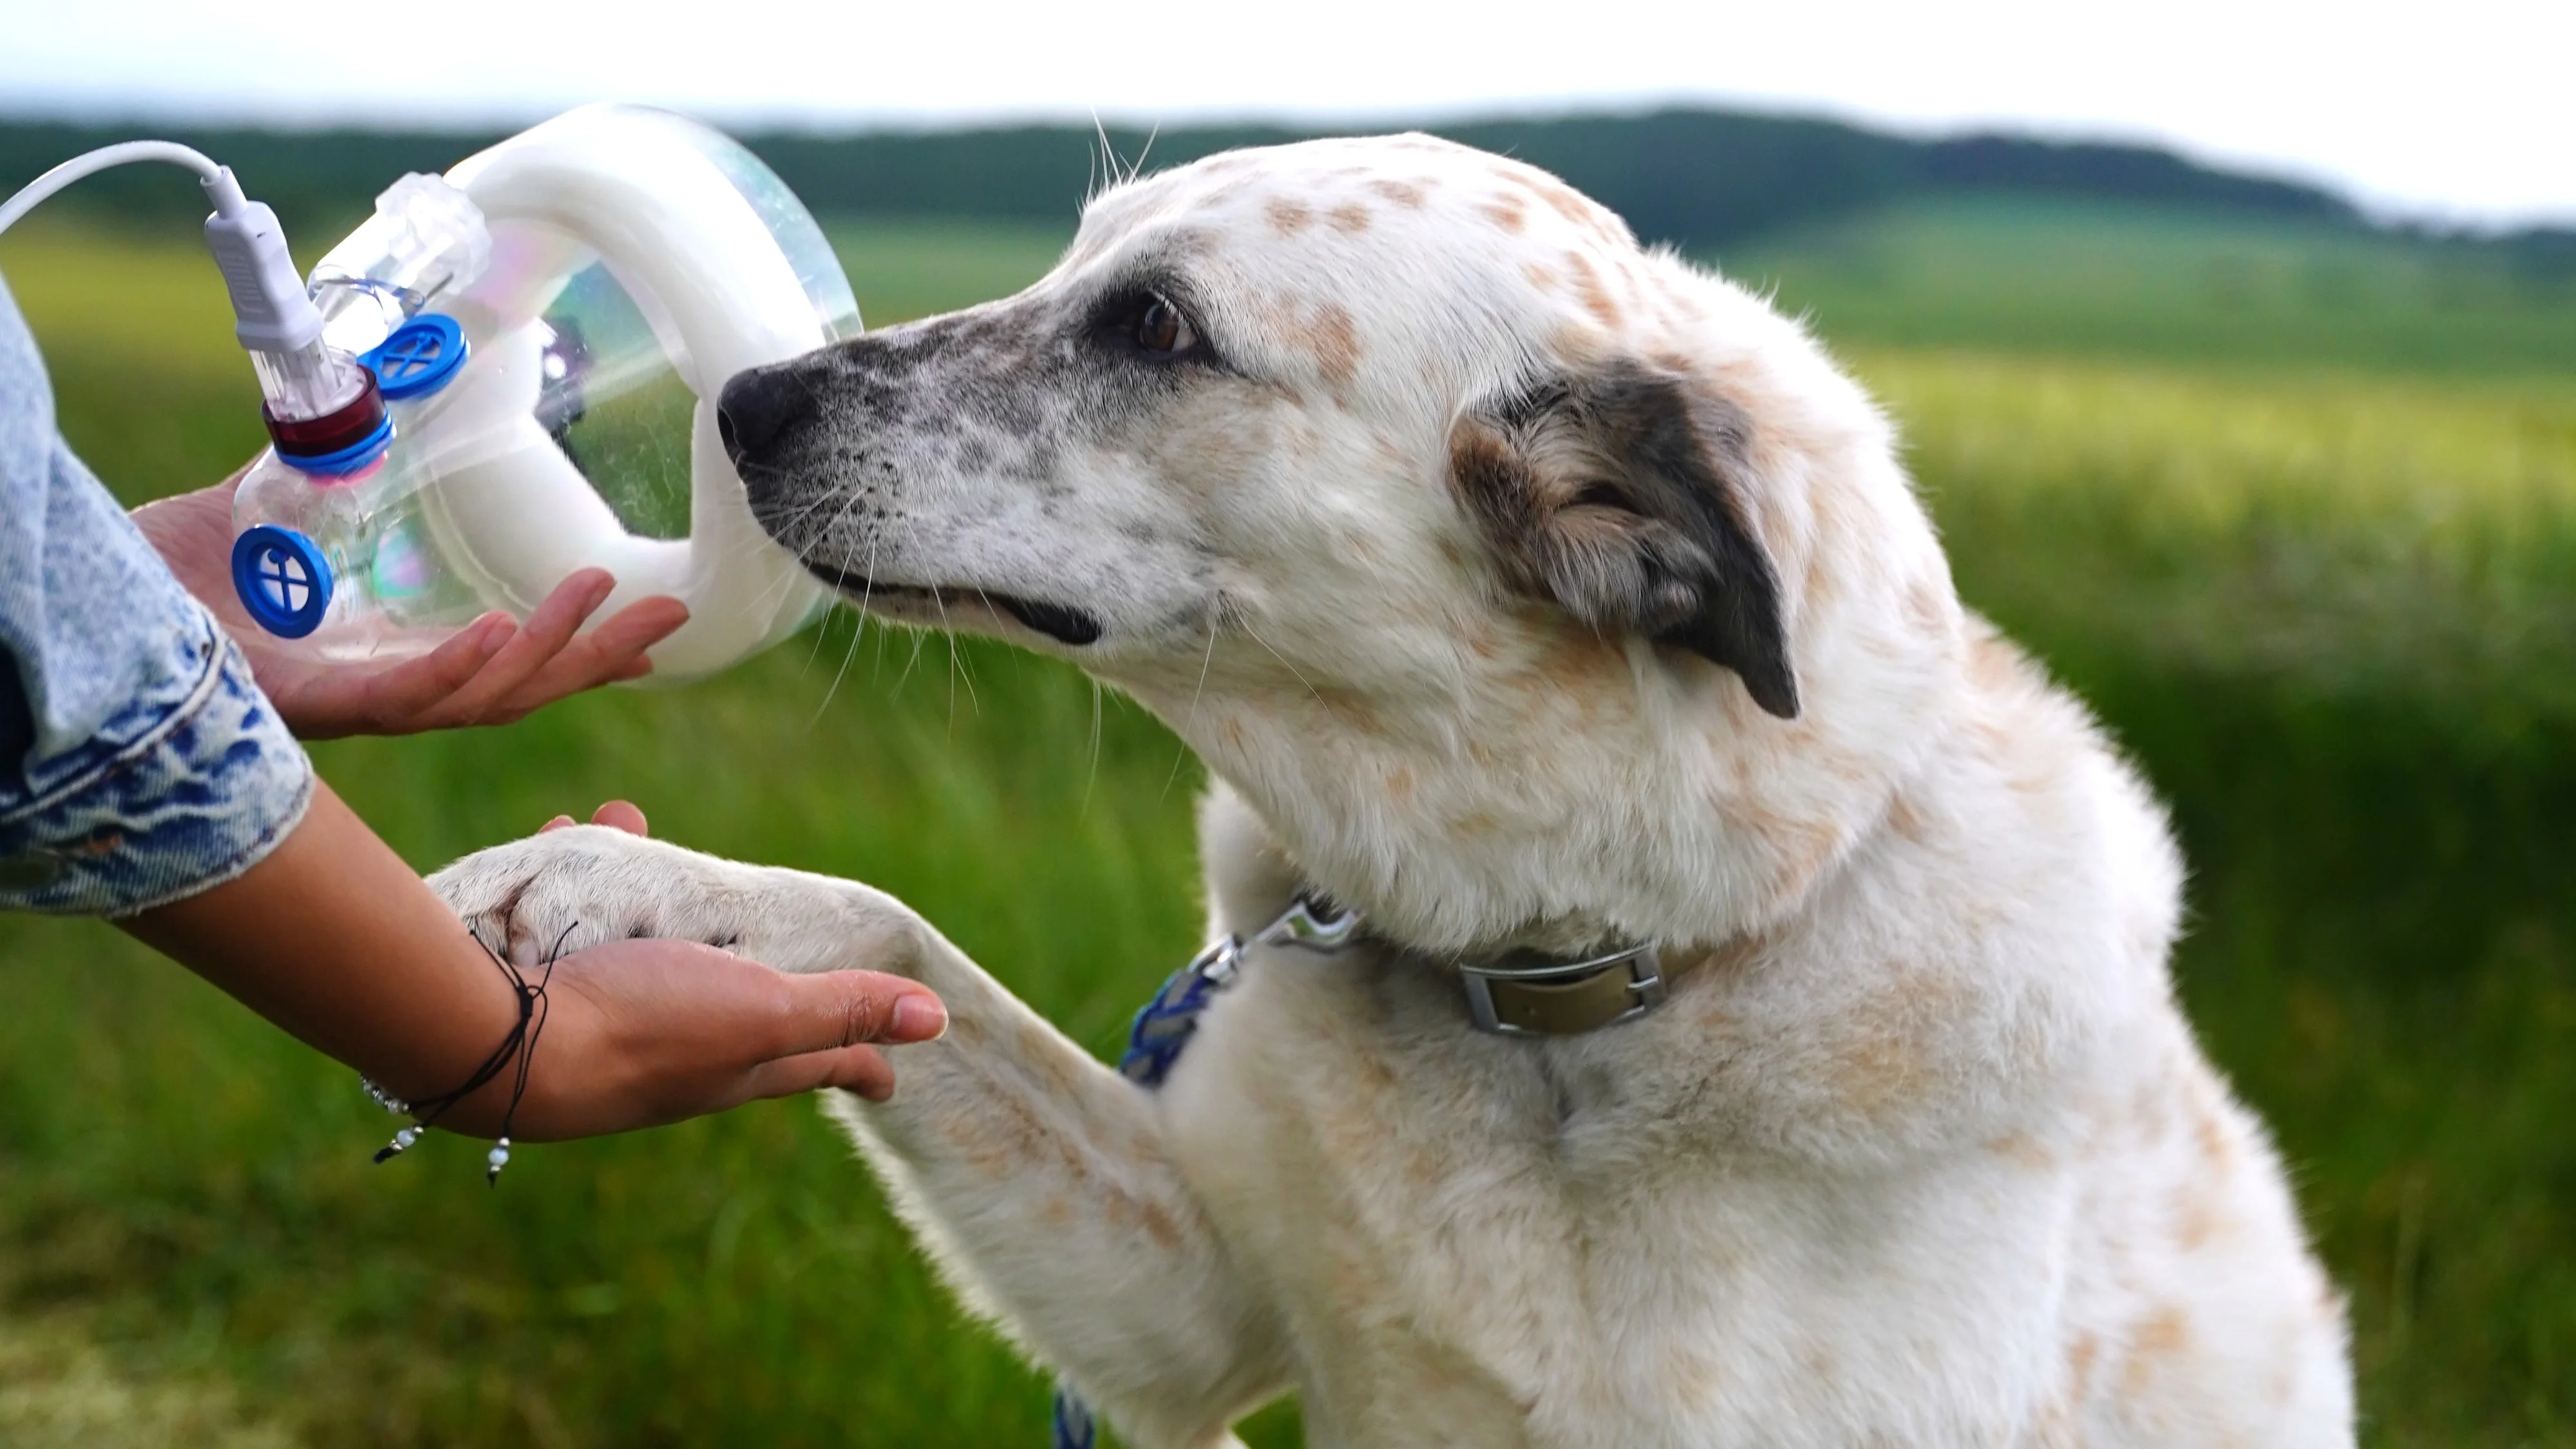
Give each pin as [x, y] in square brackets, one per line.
[1349, 709]
[1407, 194]
[1595, 297]
[1507, 213]
[1577, 657]
[2022, 1149]
[1993, 664]
[2164, 1335]
[1810, 847]
[1541, 276]
[1159, 1226]
[1566, 203]
[1725, 961]
[1577, 348]
[2196, 1216]
[1479, 638]
[2211, 1134]
[1923, 605]
[2055, 1428]
[1350, 216]
[969, 1028]
[1877, 1069]
[1422, 1170]
[1336, 342]
[1399, 785]
[1055, 1074]
[2080, 1357]
[1905, 820]
[1003, 1138]
[1880, 1061]
[1288, 217]
[1699, 1379]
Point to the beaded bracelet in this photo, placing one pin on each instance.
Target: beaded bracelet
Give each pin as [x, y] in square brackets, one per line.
[520, 1046]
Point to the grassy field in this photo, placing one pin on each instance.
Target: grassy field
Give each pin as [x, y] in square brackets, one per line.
[2036, 275]
[2319, 574]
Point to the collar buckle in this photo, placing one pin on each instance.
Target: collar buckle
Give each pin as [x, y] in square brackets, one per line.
[1521, 994]
[1525, 994]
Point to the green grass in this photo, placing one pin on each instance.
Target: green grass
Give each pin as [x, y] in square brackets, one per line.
[2329, 602]
[2139, 282]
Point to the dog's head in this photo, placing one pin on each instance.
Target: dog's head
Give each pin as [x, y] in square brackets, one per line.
[1439, 516]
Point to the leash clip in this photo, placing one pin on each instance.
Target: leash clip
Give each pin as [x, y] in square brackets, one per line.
[1314, 923]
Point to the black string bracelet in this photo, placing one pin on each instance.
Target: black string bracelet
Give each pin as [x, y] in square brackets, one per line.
[519, 1046]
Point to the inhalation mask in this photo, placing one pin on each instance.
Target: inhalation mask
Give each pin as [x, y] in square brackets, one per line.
[510, 373]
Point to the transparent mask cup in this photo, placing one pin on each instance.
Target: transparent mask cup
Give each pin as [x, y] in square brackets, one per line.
[529, 351]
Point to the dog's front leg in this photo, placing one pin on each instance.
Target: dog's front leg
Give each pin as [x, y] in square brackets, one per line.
[1040, 1181]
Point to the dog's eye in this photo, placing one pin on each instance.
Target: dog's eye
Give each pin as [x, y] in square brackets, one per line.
[1161, 328]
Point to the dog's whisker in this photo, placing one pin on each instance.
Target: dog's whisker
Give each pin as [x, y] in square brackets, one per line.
[939, 601]
[1216, 613]
[1092, 776]
[1256, 638]
[856, 633]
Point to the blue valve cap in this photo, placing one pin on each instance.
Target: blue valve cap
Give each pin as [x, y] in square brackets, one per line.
[283, 580]
[417, 358]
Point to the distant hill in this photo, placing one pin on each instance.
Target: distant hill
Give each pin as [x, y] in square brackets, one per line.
[1701, 179]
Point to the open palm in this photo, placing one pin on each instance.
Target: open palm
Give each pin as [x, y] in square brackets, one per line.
[492, 672]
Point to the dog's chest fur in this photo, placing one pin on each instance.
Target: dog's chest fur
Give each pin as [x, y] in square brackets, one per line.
[1933, 1162]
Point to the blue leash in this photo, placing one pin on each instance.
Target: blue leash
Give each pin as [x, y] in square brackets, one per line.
[1165, 1025]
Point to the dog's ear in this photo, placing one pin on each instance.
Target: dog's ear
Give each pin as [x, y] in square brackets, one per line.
[1617, 496]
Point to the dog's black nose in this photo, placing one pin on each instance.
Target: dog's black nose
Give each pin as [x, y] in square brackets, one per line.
[757, 405]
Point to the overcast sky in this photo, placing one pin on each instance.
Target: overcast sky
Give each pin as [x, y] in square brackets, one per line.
[2460, 112]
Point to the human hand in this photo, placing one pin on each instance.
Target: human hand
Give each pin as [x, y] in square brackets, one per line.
[647, 1031]
[591, 892]
[616, 815]
[492, 671]
[650, 1030]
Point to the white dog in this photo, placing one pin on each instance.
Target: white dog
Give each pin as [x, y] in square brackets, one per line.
[1758, 1030]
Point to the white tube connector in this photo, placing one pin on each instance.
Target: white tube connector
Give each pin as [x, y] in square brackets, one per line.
[271, 312]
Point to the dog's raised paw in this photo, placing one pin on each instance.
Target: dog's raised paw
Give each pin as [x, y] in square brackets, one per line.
[568, 889]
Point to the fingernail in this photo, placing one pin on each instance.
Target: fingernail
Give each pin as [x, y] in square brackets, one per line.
[920, 1018]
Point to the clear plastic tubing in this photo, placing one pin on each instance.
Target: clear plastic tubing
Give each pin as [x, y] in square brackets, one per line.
[312, 382]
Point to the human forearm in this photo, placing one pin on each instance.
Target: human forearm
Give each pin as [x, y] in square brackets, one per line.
[333, 938]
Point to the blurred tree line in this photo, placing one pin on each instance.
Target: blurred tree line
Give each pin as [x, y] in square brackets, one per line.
[1698, 178]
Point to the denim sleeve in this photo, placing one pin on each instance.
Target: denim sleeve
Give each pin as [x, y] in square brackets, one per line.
[141, 763]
